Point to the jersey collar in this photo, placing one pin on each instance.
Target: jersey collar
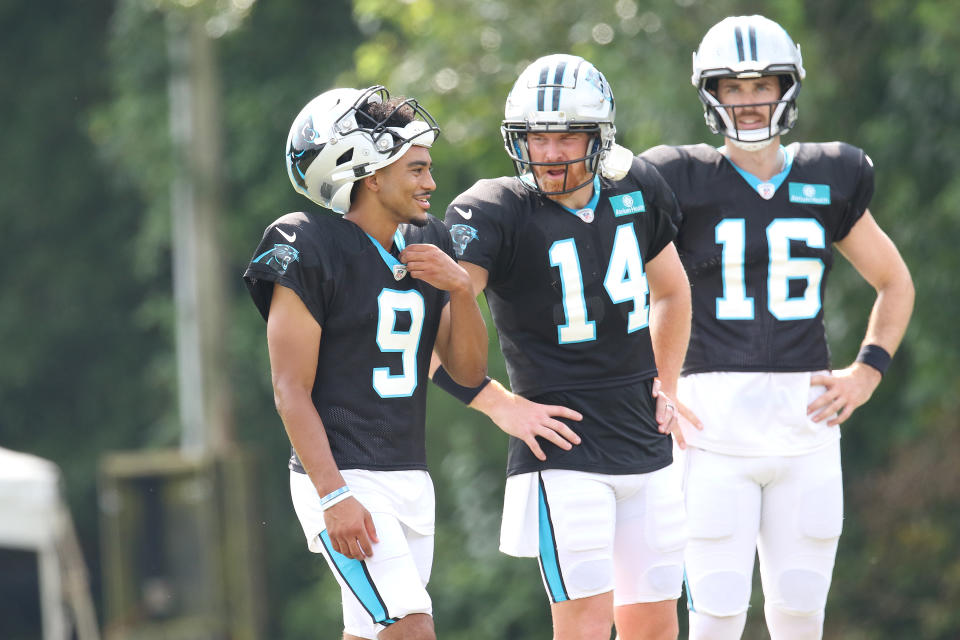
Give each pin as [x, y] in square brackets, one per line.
[766, 189]
[396, 267]
[586, 213]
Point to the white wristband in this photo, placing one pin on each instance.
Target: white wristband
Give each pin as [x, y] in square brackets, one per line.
[336, 500]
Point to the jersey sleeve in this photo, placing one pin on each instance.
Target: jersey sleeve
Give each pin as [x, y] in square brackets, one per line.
[664, 211]
[482, 228]
[861, 168]
[289, 256]
[669, 163]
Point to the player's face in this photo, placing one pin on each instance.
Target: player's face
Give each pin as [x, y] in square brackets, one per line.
[407, 185]
[560, 146]
[753, 99]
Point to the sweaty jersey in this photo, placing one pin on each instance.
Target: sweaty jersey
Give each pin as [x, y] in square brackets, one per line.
[378, 331]
[757, 254]
[568, 294]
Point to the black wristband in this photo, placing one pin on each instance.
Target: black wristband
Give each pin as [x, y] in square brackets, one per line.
[875, 356]
[464, 394]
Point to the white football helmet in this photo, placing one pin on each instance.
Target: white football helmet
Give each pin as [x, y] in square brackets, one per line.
[562, 92]
[748, 47]
[334, 142]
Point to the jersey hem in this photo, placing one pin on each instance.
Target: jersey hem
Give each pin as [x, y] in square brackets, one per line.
[761, 368]
[588, 384]
[707, 446]
[601, 469]
[423, 467]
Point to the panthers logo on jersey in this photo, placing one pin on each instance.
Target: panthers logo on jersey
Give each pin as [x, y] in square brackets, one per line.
[462, 234]
[279, 257]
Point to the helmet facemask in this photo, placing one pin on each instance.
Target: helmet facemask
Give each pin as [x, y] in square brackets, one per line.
[721, 118]
[515, 141]
[559, 94]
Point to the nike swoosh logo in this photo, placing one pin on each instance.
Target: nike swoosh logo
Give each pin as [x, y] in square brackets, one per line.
[290, 237]
[466, 214]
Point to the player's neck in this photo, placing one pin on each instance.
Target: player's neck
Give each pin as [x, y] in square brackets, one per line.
[762, 163]
[379, 227]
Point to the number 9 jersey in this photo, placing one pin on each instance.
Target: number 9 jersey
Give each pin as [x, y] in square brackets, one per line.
[378, 329]
[757, 253]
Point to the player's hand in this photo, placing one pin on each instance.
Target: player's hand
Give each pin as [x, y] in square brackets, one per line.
[351, 529]
[429, 263]
[528, 420]
[846, 389]
[672, 415]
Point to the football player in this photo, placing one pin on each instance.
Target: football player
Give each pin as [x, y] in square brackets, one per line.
[354, 307]
[757, 225]
[589, 297]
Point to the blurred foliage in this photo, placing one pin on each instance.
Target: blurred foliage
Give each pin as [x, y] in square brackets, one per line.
[87, 322]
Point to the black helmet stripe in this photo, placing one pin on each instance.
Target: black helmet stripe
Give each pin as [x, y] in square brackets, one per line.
[739, 37]
[752, 35]
[542, 83]
[558, 82]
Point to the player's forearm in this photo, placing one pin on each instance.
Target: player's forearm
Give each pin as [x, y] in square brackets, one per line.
[492, 399]
[309, 439]
[670, 333]
[464, 353]
[891, 312]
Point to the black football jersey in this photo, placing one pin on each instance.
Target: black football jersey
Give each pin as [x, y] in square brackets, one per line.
[758, 253]
[378, 325]
[567, 290]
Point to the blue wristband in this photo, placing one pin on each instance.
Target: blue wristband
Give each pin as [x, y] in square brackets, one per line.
[464, 394]
[333, 494]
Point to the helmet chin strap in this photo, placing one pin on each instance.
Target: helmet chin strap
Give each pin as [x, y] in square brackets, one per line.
[751, 146]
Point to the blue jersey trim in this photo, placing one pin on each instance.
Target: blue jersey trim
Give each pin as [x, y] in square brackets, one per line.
[592, 205]
[777, 180]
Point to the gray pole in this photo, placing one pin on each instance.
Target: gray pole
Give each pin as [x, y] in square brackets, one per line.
[197, 266]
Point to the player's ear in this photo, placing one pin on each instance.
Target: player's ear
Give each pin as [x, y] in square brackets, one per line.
[373, 182]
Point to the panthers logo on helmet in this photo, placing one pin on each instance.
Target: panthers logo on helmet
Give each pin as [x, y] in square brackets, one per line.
[462, 234]
[279, 257]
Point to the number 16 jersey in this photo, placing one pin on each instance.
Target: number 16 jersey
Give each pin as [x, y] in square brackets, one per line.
[758, 253]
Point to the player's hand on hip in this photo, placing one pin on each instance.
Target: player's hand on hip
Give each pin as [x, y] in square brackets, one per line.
[429, 263]
[844, 391]
[528, 420]
[350, 528]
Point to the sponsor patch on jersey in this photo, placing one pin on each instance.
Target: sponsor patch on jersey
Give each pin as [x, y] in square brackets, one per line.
[279, 257]
[462, 235]
[809, 193]
[627, 204]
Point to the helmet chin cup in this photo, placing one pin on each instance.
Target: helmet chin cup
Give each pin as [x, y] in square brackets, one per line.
[751, 146]
[615, 162]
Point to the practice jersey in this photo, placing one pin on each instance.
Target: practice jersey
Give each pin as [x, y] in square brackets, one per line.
[378, 326]
[757, 253]
[568, 292]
